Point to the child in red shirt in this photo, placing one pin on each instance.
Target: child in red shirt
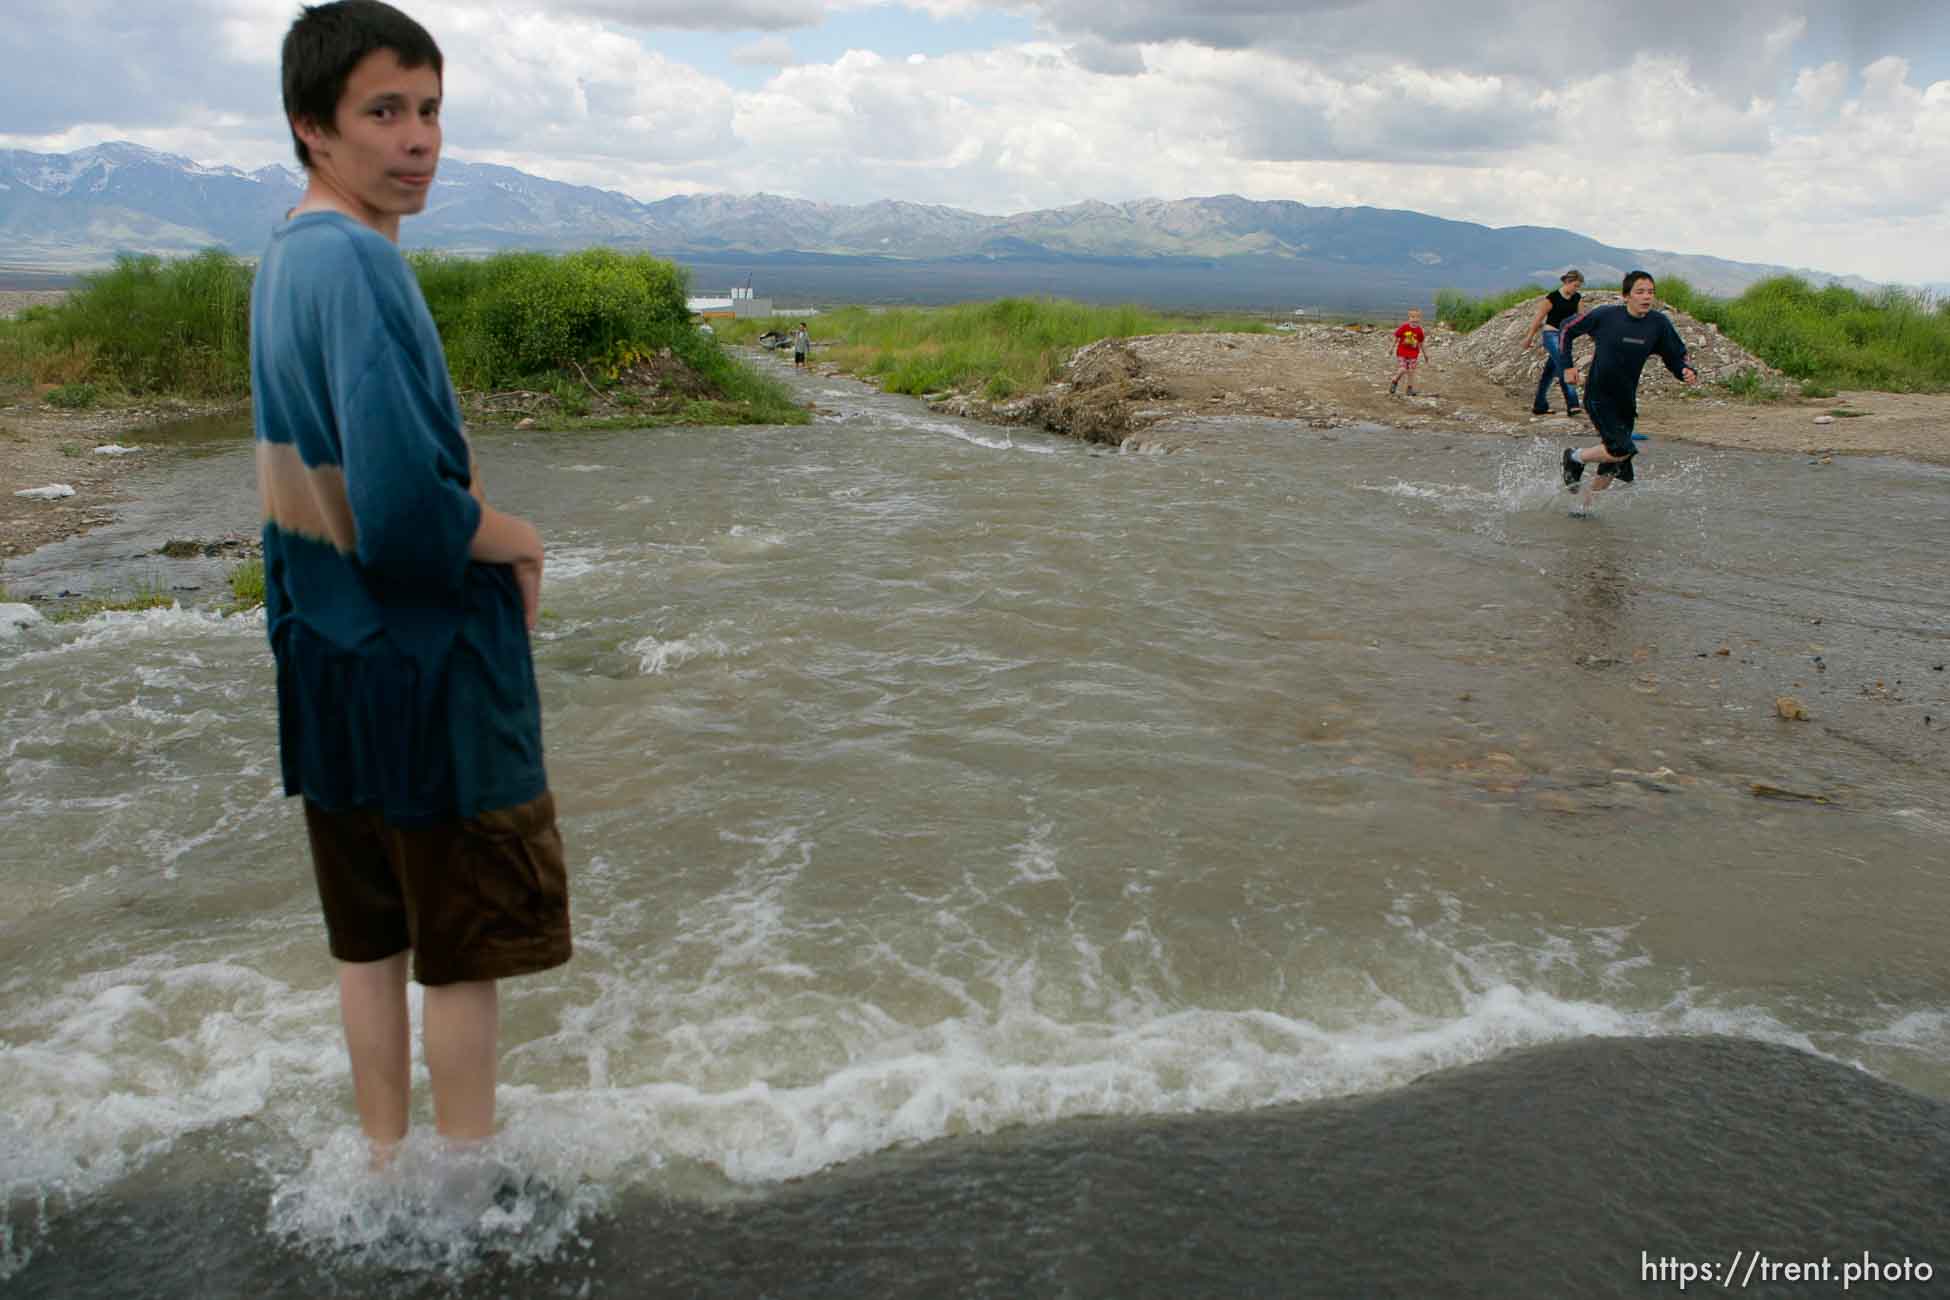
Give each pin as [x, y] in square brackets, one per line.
[1408, 350]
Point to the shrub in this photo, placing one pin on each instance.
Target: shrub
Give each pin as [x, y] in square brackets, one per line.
[529, 315]
[72, 397]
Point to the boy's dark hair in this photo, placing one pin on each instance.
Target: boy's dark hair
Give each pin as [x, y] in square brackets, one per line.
[326, 43]
[1633, 277]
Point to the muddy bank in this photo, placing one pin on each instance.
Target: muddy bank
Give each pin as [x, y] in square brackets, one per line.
[41, 447]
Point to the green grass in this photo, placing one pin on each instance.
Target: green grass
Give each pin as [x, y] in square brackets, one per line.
[999, 348]
[1464, 314]
[149, 326]
[74, 611]
[1834, 337]
[246, 587]
[1750, 385]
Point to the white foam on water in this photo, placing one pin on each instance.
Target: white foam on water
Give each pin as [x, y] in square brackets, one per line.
[1034, 858]
[743, 540]
[1926, 1031]
[968, 434]
[570, 563]
[16, 618]
[438, 1208]
[117, 1067]
[174, 625]
[656, 656]
[585, 469]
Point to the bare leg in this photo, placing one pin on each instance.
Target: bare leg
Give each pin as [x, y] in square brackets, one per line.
[462, 1023]
[1598, 483]
[372, 1004]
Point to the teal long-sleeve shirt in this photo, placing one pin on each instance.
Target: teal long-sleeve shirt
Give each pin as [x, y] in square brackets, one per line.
[405, 682]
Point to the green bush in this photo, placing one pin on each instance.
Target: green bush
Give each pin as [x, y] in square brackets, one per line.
[73, 397]
[521, 316]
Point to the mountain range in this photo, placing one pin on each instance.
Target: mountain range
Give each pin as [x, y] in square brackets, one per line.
[76, 211]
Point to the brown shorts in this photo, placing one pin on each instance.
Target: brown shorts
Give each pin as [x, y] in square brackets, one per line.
[480, 899]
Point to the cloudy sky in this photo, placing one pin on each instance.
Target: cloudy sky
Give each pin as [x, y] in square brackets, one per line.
[1807, 132]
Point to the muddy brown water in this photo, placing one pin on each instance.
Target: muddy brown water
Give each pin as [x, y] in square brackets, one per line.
[1009, 867]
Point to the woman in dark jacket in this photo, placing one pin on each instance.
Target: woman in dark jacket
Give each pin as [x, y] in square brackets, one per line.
[1554, 309]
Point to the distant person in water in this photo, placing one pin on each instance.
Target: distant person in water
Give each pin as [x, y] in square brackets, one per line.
[398, 603]
[1627, 335]
[1553, 309]
[801, 344]
[1408, 351]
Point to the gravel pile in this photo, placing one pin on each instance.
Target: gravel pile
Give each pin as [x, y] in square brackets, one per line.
[1496, 349]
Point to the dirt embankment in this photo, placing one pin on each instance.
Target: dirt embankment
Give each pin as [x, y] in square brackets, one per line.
[1155, 388]
[42, 448]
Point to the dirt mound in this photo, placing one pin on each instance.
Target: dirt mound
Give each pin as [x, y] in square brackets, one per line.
[1495, 348]
[1107, 386]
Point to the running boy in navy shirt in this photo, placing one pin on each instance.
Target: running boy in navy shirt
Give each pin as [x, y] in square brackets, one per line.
[1627, 335]
[397, 601]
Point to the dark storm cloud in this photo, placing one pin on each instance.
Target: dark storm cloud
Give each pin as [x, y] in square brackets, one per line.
[1727, 42]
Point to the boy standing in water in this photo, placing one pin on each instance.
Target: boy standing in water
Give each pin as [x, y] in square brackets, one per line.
[1627, 334]
[801, 344]
[397, 601]
[1408, 350]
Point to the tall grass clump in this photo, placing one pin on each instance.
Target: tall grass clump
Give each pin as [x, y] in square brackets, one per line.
[1832, 337]
[1464, 313]
[150, 326]
[999, 348]
[246, 587]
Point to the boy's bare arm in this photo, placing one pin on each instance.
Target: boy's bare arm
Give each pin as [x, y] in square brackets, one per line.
[507, 539]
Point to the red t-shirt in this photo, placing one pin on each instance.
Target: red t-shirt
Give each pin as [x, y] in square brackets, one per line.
[1408, 340]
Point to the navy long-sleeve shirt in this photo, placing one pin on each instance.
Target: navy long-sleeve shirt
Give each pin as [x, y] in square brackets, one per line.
[405, 682]
[1625, 343]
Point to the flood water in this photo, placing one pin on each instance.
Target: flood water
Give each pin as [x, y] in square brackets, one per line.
[1309, 863]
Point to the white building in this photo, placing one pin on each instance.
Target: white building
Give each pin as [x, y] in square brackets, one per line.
[737, 302]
